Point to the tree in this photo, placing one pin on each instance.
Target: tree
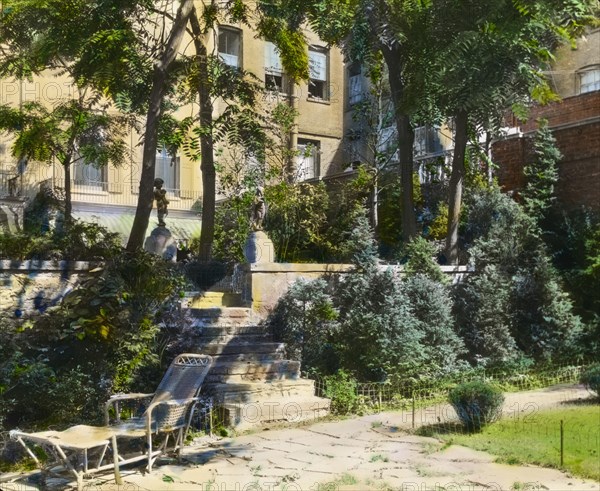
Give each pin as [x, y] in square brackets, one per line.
[74, 131]
[488, 58]
[541, 174]
[160, 75]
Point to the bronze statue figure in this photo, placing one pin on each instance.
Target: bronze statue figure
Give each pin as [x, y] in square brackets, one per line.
[160, 195]
[259, 210]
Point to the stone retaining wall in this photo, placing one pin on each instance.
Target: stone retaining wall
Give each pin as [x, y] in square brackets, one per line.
[33, 286]
[264, 283]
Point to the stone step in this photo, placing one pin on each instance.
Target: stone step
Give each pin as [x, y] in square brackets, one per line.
[223, 317]
[250, 415]
[240, 372]
[241, 348]
[256, 358]
[212, 299]
[235, 339]
[214, 331]
[257, 392]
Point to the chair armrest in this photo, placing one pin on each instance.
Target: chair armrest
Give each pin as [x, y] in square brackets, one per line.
[169, 402]
[116, 398]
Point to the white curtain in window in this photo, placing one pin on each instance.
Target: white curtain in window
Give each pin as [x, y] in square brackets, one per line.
[317, 64]
[589, 80]
[272, 59]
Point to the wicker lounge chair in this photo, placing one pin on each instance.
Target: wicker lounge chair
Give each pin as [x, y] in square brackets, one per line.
[169, 412]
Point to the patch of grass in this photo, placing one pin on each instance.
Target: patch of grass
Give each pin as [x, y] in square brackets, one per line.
[378, 457]
[537, 440]
[344, 480]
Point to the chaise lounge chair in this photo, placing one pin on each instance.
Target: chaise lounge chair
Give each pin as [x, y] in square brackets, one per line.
[169, 413]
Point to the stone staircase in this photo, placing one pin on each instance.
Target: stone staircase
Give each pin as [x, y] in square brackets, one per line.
[251, 382]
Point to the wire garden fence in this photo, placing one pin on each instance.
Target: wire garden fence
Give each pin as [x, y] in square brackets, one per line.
[350, 396]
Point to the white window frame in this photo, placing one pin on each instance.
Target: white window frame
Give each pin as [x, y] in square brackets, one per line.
[227, 55]
[318, 68]
[274, 77]
[589, 79]
[308, 159]
[168, 168]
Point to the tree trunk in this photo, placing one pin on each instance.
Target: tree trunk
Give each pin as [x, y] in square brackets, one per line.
[456, 186]
[159, 78]
[406, 138]
[207, 166]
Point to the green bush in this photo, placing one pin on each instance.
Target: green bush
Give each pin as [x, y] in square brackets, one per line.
[591, 379]
[112, 334]
[476, 403]
[341, 389]
[81, 241]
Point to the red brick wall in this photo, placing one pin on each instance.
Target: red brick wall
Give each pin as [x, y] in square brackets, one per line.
[579, 142]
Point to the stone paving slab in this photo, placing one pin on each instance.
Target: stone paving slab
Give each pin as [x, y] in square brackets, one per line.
[370, 453]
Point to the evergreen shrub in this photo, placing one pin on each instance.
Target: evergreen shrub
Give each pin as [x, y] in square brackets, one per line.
[591, 379]
[476, 403]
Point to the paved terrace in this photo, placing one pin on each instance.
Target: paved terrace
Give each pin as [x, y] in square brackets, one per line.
[343, 455]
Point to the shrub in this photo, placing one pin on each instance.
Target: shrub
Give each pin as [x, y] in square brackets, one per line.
[420, 254]
[476, 403]
[514, 285]
[341, 389]
[591, 379]
[105, 337]
[304, 318]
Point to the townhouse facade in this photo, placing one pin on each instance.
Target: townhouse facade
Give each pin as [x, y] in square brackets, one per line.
[108, 195]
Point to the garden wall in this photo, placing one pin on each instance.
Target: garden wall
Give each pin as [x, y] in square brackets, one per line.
[33, 286]
[264, 283]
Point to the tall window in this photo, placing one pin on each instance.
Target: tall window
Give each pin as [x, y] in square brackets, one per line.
[427, 141]
[307, 161]
[318, 73]
[273, 68]
[355, 90]
[230, 44]
[167, 168]
[589, 79]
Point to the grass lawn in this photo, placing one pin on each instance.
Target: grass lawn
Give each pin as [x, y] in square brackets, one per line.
[536, 439]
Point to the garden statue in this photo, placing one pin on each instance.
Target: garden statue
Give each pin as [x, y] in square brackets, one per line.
[259, 210]
[160, 195]
[258, 247]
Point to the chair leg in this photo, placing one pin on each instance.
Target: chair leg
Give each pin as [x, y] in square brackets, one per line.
[117, 470]
[150, 461]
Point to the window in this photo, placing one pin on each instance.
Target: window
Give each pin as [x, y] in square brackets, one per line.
[230, 46]
[273, 68]
[307, 161]
[167, 168]
[427, 141]
[589, 79]
[355, 90]
[89, 175]
[318, 74]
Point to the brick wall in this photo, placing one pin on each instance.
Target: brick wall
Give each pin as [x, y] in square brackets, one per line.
[575, 123]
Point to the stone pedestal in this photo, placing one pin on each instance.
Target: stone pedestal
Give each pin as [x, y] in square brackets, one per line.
[162, 243]
[259, 248]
